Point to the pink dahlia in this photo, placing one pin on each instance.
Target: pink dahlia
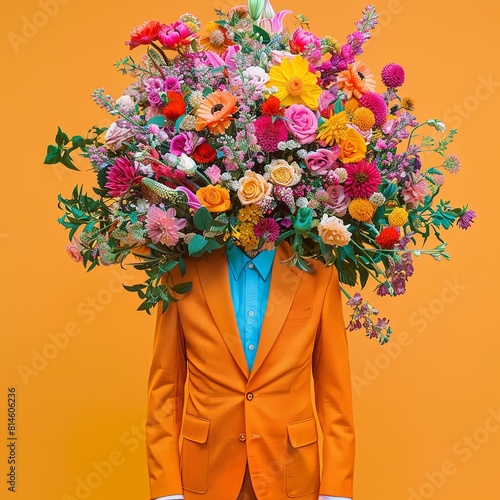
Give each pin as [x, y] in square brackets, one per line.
[121, 177]
[376, 103]
[393, 75]
[415, 191]
[163, 227]
[363, 179]
[268, 229]
[270, 134]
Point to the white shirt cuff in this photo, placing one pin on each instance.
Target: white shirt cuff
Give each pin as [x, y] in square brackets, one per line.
[171, 497]
[324, 497]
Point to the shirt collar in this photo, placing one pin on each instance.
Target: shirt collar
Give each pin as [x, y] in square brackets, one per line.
[237, 260]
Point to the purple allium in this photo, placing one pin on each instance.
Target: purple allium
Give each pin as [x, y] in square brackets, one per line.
[393, 75]
[466, 219]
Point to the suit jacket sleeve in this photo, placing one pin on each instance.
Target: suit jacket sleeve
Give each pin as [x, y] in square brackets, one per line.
[332, 382]
[165, 404]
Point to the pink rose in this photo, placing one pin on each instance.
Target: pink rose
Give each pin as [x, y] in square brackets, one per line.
[73, 250]
[320, 161]
[302, 123]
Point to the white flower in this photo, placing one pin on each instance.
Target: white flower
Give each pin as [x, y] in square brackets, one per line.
[187, 164]
[437, 124]
[125, 103]
[256, 76]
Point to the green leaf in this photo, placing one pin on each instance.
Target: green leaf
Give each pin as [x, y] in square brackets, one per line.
[390, 190]
[157, 120]
[78, 141]
[262, 34]
[182, 265]
[182, 288]
[166, 267]
[339, 106]
[67, 161]
[102, 178]
[134, 288]
[202, 219]
[53, 155]
[197, 245]
[61, 138]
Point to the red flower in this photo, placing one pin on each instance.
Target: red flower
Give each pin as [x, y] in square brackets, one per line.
[388, 237]
[272, 106]
[204, 153]
[144, 34]
[175, 106]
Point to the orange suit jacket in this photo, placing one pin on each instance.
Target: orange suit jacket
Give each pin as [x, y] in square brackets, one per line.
[264, 417]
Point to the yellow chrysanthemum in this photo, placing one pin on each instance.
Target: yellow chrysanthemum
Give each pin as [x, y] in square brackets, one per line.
[363, 118]
[250, 213]
[398, 217]
[247, 236]
[334, 129]
[295, 83]
[351, 105]
[361, 210]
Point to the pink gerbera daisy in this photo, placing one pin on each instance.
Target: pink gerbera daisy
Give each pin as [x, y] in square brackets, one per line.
[163, 227]
[121, 177]
[363, 179]
[268, 229]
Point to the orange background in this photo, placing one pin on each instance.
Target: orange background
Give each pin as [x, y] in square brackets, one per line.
[78, 352]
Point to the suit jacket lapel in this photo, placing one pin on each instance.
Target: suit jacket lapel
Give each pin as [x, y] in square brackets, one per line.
[285, 281]
[214, 279]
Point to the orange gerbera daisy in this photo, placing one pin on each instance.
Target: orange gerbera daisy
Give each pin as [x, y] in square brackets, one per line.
[215, 112]
[216, 39]
[356, 80]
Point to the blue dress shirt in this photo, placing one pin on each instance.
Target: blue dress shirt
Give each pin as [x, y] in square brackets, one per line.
[249, 281]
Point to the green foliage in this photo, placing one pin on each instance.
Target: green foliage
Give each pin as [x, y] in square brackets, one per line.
[61, 151]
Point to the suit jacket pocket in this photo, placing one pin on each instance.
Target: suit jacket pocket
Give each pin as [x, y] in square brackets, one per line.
[194, 453]
[302, 463]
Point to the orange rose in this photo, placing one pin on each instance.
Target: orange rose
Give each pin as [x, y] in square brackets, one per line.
[253, 188]
[215, 198]
[353, 147]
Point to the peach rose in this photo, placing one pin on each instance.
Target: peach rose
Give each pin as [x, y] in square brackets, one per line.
[215, 198]
[253, 188]
[333, 231]
[284, 174]
[353, 147]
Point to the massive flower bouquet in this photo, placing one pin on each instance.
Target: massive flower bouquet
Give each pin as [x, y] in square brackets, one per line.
[242, 132]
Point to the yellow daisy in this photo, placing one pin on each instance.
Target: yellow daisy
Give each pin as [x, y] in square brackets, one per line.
[295, 83]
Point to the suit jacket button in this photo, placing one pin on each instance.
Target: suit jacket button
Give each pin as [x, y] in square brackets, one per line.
[243, 437]
[249, 396]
